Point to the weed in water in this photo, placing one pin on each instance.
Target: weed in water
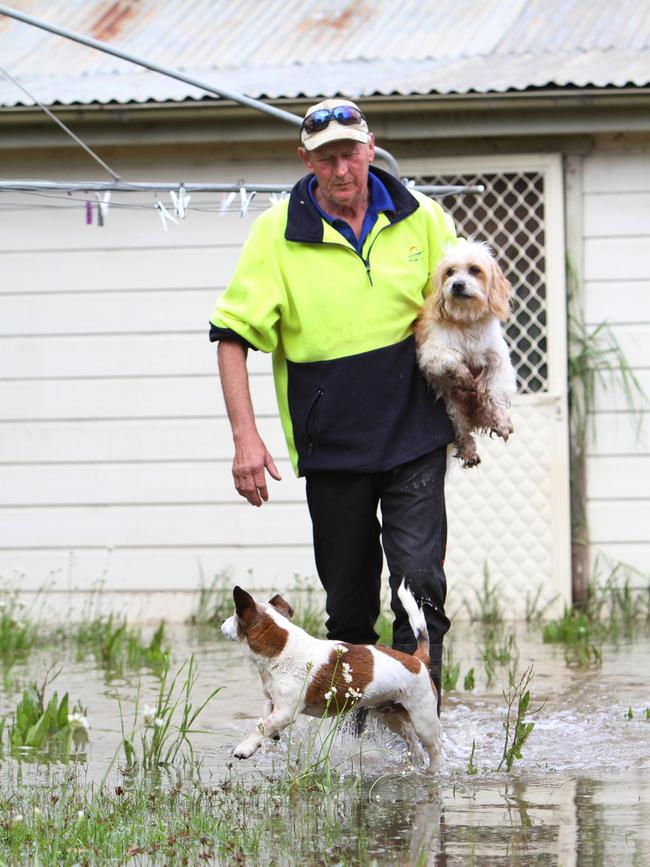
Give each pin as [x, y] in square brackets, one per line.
[310, 763]
[214, 603]
[40, 727]
[116, 645]
[450, 670]
[629, 714]
[499, 649]
[18, 635]
[308, 602]
[517, 730]
[162, 737]
[471, 767]
[535, 611]
[488, 608]
[470, 681]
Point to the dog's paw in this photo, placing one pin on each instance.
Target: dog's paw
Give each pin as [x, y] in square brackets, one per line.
[503, 430]
[471, 462]
[245, 749]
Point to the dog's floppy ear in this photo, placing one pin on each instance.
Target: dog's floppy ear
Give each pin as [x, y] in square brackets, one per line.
[244, 603]
[498, 292]
[282, 606]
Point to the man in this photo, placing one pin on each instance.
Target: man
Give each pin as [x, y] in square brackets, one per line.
[331, 282]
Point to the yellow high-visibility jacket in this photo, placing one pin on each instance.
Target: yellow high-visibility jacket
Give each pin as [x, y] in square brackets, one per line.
[339, 325]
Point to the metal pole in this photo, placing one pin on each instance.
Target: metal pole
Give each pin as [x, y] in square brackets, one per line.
[170, 73]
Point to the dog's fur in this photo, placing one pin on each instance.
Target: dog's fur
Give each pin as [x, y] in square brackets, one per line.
[460, 345]
[302, 674]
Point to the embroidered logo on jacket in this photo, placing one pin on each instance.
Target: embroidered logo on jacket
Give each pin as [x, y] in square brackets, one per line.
[414, 254]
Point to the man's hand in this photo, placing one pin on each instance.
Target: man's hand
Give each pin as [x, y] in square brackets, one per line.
[252, 461]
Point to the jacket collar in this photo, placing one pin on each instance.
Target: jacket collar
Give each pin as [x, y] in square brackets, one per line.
[305, 224]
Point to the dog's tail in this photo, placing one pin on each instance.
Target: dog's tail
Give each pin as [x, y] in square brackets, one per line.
[417, 621]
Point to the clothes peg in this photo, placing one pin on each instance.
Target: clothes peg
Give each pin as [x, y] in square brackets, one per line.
[227, 202]
[245, 200]
[104, 205]
[180, 201]
[165, 215]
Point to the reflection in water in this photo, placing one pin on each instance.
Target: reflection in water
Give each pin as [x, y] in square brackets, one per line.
[579, 796]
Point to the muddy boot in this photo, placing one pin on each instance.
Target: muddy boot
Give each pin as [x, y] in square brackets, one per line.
[358, 719]
[435, 669]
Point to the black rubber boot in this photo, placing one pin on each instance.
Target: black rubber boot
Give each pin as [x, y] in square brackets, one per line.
[435, 669]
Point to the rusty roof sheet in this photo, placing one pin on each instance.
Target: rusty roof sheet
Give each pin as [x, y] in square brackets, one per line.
[292, 48]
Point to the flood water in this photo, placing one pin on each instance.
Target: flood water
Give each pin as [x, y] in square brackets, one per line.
[580, 794]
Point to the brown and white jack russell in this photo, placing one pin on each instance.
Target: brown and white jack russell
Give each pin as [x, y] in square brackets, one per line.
[302, 674]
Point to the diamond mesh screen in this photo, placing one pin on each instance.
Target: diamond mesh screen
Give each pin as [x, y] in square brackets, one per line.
[509, 215]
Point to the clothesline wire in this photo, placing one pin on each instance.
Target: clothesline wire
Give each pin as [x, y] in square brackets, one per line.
[60, 123]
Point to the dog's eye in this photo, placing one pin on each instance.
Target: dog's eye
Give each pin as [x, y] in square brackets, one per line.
[450, 272]
[474, 270]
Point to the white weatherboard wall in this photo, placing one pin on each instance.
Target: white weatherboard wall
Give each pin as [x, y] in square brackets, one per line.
[616, 193]
[115, 449]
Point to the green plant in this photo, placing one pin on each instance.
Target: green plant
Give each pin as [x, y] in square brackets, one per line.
[471, 767]
[487, 598]
[594, 357]
[499, 649]
[18, 635]
[450, 670]
[116, 645]
[309, 759]
[517, 730]
[308, 602]
[629, 713]
[214, 603]
[161, 735]
[47, 726]
[535, 611]
[470, 682]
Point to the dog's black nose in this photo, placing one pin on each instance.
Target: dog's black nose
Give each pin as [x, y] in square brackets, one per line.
[457, 287]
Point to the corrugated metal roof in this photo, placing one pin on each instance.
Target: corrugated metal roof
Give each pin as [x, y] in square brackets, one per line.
[289, 48]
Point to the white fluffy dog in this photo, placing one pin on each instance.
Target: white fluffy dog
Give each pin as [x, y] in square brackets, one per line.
[460, 345]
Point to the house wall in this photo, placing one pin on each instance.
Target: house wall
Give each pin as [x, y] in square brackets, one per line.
[115, 449]
[616, 276]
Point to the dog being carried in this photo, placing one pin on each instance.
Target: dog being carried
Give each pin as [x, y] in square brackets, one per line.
[302, 674]
[460, 345]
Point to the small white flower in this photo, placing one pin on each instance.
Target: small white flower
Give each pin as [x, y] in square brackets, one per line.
[340, 650]
[148, 714]
[18, 818]
[354, 694]
[78, 721]
[80, 814]
[159, 722]
[347, 672]
[329, 695]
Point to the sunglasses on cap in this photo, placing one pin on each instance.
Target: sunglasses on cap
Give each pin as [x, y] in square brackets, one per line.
[346, 115]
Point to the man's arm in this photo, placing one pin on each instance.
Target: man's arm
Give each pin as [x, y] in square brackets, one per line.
[251, 455]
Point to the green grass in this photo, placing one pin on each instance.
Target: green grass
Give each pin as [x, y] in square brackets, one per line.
[117, 646]
[176, 822]
[18, 633]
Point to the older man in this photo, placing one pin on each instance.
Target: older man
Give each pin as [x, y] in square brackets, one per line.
[330, 283]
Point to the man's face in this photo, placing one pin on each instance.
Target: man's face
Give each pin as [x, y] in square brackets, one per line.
[341, 169]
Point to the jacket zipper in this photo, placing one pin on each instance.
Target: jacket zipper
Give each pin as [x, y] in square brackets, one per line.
[311, 430]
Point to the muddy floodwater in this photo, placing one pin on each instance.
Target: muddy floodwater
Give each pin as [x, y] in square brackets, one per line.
[580, 794]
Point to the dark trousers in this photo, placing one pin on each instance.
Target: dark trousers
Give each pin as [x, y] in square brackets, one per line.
[348, 538]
